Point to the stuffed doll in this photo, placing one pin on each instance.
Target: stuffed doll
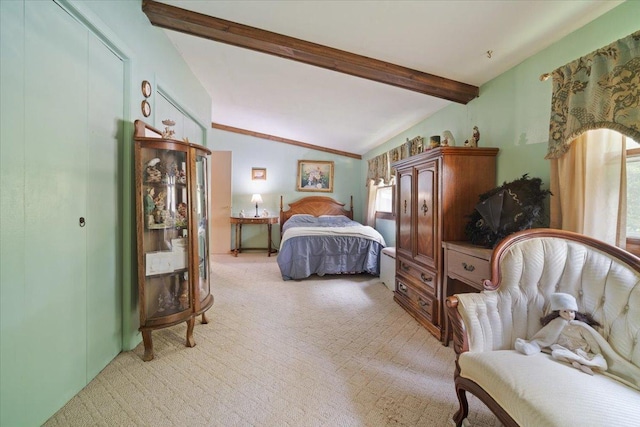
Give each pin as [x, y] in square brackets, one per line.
[569, 334]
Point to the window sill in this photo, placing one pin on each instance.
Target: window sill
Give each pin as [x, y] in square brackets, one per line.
[385, 215]
[633, 245]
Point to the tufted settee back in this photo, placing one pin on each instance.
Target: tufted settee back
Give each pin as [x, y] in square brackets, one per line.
[529, 266]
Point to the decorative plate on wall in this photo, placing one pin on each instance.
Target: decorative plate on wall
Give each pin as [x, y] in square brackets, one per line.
[146, 88]
[146, 108]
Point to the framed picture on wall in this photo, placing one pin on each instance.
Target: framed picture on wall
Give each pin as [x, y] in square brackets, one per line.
[315, 175]
[258, 173]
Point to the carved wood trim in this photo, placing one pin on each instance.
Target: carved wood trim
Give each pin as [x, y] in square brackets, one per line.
[460, 340]
[284, 140]
[220, 30]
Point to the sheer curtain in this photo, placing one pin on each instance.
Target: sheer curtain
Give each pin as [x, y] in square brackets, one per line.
[372, 188]
[589, 187]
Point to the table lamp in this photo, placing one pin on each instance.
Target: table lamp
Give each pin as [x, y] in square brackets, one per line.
[256, 198]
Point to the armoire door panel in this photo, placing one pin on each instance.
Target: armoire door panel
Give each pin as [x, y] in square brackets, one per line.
[426, 188]
[404, 212]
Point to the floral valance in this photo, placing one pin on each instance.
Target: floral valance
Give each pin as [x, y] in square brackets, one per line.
[380, 170]
[600, 90]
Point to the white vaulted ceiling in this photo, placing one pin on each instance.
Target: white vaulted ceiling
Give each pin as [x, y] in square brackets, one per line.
[276, 96]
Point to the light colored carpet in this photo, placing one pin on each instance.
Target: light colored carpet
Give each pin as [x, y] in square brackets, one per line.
[331, 351]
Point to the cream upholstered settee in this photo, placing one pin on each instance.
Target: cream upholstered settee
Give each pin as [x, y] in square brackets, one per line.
[537, 390]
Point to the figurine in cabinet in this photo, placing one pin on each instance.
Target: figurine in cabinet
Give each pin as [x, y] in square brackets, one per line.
[159, 213]
[184, 292]
[152, 172]
[149, 206]
[181, 215]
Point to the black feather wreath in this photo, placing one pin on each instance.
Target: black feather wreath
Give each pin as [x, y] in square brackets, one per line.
[514, 206]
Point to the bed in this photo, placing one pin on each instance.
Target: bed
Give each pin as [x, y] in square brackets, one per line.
[319, 236]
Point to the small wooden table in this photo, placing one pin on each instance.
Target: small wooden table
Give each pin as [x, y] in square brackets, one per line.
[467, 264]
[239, 222]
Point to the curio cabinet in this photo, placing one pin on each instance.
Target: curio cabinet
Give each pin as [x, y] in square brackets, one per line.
[172, 207]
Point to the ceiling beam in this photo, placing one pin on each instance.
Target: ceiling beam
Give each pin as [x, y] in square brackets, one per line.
[284, 140]
[200, 25]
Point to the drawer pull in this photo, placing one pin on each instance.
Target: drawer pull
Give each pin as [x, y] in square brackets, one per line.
[402, 287]
[468, 267]
[404, 266]
[426, 279]
[423, 303]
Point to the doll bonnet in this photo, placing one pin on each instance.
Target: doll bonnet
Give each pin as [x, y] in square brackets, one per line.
[560, 301]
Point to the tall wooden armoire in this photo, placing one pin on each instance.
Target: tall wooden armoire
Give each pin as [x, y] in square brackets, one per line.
[436, 191]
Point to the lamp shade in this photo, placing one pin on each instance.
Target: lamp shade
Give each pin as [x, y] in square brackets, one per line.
[256, 198]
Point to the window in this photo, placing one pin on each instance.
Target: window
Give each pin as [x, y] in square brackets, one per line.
[633, 189]
[384, 202]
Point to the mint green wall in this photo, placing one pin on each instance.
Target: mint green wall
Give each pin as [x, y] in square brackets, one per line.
[281, 162]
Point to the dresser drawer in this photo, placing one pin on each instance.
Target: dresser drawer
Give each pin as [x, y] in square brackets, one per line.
[421, 303]
[423, 276]
[468, 268]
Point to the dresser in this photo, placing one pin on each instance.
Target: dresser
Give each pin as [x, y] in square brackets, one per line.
[436, 191]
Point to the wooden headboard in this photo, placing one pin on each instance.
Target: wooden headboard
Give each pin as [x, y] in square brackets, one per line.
[316, 206]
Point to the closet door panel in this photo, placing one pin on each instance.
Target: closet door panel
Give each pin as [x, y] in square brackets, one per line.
[54, 318]
[105, 136]
[13, 399]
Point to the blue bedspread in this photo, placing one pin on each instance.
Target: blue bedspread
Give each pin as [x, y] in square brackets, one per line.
[328, 245]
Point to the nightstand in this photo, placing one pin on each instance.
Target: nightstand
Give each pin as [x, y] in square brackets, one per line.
[466, 266]
[239, 222]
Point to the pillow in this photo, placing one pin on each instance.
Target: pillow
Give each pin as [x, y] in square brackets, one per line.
[302, 218]
[335, 220]
[334, 216]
